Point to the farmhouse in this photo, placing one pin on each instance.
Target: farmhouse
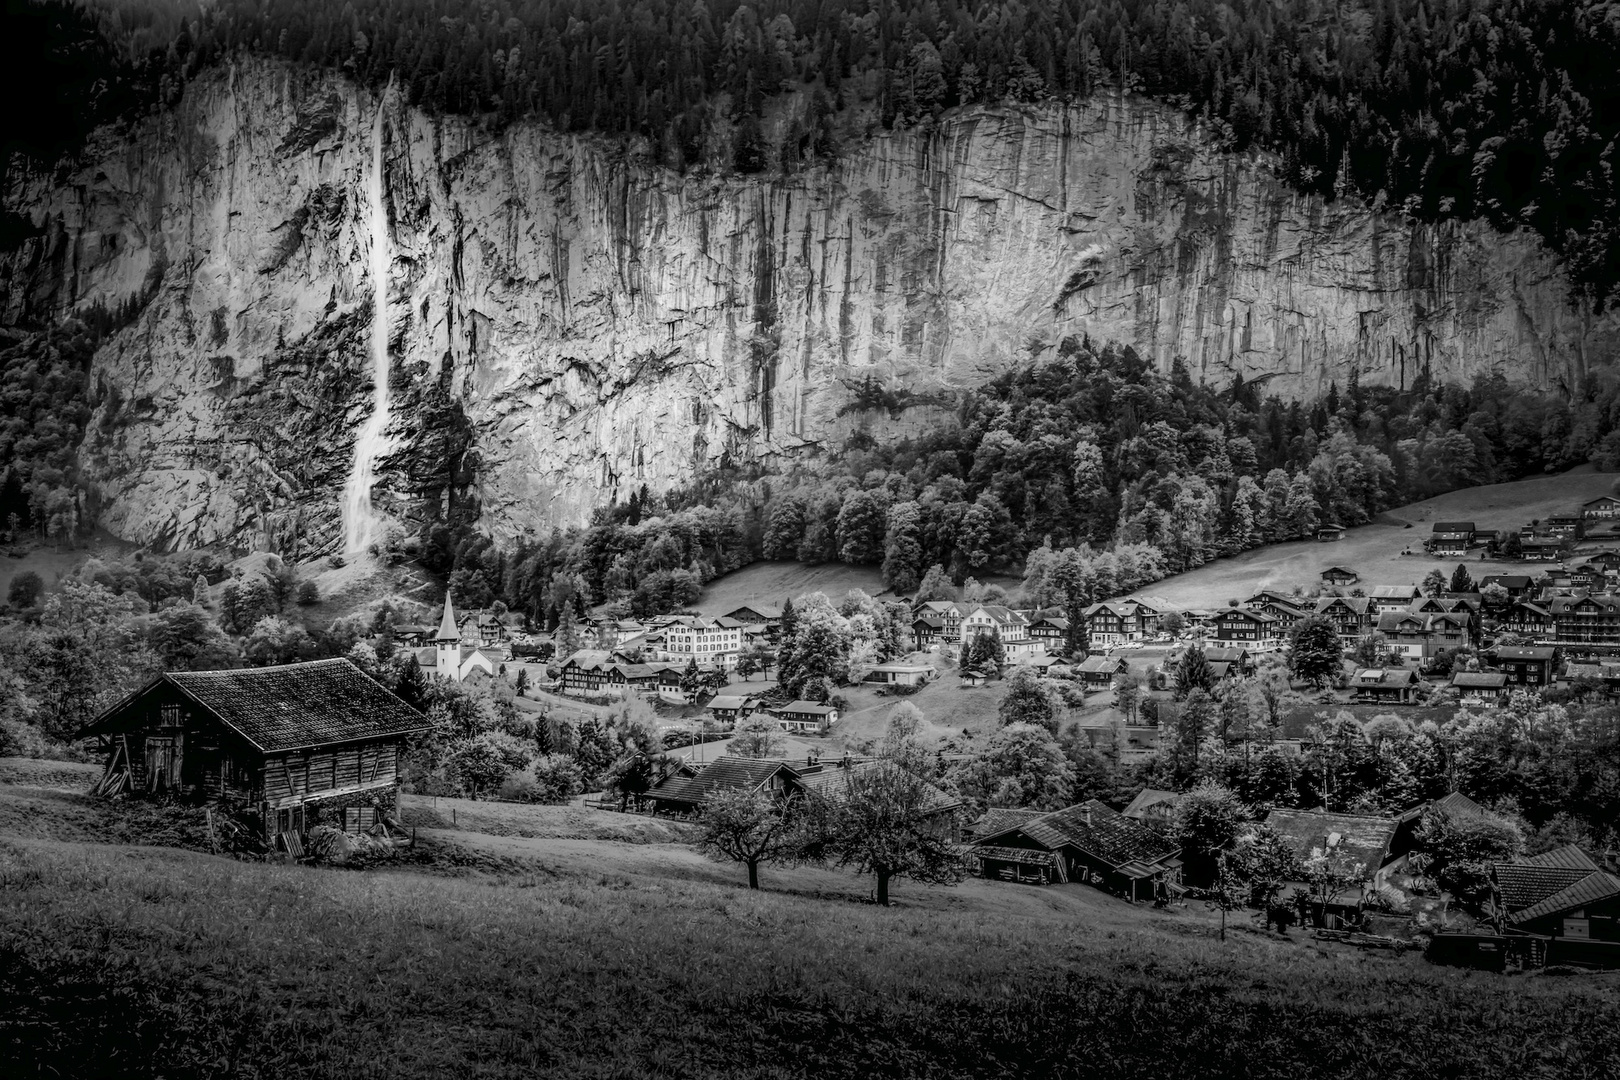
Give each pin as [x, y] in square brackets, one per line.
[684, 794]
[1286, 610]
[927, 631]
[1541, 549]
[1527, 665]
[1565, 895]
[764, 614]
[1051, 631]
[1528, 618]
[1339, 576]
[1405, 633]
[1397, 686]
[1089, 842]
[1230, 661]
[292, 746]
[1479, 687]
[1564, 526]
[805, 716]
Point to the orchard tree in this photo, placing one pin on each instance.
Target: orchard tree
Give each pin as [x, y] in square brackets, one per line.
[747, 827]
[1314, 652]
[758, 736]
[892, 823]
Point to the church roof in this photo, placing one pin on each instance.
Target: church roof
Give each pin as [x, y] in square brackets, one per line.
[448, 630]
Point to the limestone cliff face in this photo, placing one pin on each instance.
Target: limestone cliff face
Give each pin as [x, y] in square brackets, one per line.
[567, 320]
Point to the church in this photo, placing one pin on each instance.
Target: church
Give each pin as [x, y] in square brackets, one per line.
[448, 658]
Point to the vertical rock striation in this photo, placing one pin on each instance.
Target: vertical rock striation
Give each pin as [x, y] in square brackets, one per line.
[567, 319]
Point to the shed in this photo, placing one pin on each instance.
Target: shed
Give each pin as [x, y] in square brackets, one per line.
[291, 745]
[1339, 576]
[684, 794]
[1088, 842]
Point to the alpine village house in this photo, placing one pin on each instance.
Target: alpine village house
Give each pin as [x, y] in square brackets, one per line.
[293, 746]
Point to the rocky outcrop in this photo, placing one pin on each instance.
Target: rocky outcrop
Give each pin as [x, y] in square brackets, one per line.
[580, 321]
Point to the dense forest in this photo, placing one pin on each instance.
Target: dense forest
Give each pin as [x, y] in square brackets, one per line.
[1501, 109]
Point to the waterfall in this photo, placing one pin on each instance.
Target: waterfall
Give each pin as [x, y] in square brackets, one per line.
[361, 524]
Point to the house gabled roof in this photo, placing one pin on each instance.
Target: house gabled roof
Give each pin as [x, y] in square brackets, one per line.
[1568, 856]
[1530, 891]
[730, 701]
[1357, 604]
[1148, 797]
[1221, 654]
[999, 819]
[1098, 830]
[1362, 839]
[289, 707]
[1001, 616]
[1479, 680]
[1395, 592]
[1098, 665]
[1384, 677]
[1525, 652]
[805, 708]
[1453, 526]
[723, 774]
[1340, 571]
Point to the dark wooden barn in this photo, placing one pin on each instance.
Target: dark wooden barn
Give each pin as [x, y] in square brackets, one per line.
[1089, 842]
[291, 746]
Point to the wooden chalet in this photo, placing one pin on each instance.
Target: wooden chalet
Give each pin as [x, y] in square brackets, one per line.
[1394, 597]
[1329, 531]
[729, 709]
[1098, 672]
[1397, 686]
[1480, 687]
[1541, 549]
[1229, 662]
[1564, 526]
[1567, 897]
[1528, 618]
[762, 614]
[1339, 576]
[1527, 665]
[1351, 616]
[1286, 610]
[1053, 630]
[1451, 537]
[684, 794]
[1604, 506]
[1090, 842]
[1243, 626]
[289, 746]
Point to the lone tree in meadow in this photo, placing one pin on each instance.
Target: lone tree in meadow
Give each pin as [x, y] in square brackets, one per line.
[890, 823]
[1434, 582]
[1314, 652]
[747, 827]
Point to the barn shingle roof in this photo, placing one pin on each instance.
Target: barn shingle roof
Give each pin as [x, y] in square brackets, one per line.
[1362, 839]
[300, 705]
[723, 774]
[1098, 830]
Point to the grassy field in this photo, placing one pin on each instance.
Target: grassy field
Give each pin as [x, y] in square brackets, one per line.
[596, 958]
[1376, 551]
[770, 583]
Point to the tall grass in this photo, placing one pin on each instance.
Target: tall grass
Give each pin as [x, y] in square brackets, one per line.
[125, 962]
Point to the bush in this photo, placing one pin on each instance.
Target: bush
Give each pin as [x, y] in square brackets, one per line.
[18, 739]
[308, 593]
[551, 779]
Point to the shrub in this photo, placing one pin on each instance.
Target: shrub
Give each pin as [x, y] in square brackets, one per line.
[551, 779]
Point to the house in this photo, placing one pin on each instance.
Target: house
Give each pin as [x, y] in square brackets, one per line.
[999, 819]
[1338, 577]
[1451, 537]
[764, 614]
[1527, 665]
[1569, 527]
[1397, 686]
[1089, 842]
[1541, 549]
[1606, 675]
[1329, 531]
[1285, 610]
[1013, 627]
[623, 630]
[1517, 585]
[729, 709]
[1357, 845]
[975, 676]
[1588, 619]
[484, 628]
[1565, 895]
[1052, 631]
[586, 671]
[291, 746]
[623, 678]
[1455, 804]
[1112, 623]
[927, 631]
[1154, 808]
[1604, 506]
[1394, 597]
[1479, 687]
[1450, 630]
[1609, 560]
[684, 794]
[1586, 576]
[1242, 625]
[949, 613]
[1529, 619]
[712, 642]
[1351, 616]
[805, 716]
[448, 658]
[1097, 672]
[1405, 633]
[900, 674]
[1234, 661]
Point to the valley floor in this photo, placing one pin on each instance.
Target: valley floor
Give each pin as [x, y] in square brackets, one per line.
[540, 945]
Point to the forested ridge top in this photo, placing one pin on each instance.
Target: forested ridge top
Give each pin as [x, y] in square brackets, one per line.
[1501, 109]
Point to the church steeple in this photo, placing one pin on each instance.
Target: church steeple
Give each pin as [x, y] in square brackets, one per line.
[447, 625]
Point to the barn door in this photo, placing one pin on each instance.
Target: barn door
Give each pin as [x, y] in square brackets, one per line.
[160, 763]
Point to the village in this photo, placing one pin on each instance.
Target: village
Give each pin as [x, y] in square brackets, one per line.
[320, 747]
